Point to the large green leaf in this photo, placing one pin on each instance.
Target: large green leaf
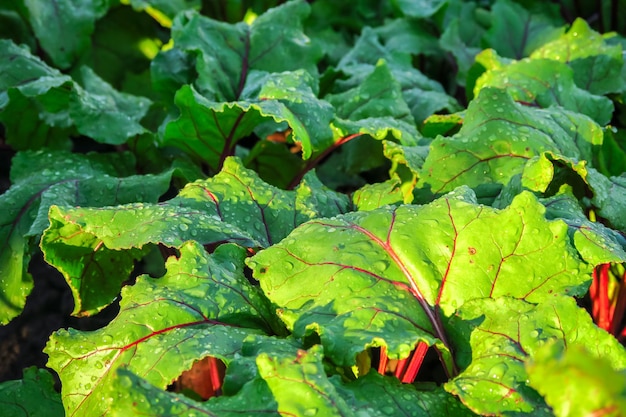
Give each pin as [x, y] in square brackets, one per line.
[233, 206]
[494, 337]
[163, 327]
[388, 276]
[594, 386]
[17, 397]
[41, 179]
[499, 136]
[64, 27]
[226, 53]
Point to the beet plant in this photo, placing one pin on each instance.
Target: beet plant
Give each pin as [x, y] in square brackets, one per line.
[316, 208]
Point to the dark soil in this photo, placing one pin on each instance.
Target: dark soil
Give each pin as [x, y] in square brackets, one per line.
[47, 309]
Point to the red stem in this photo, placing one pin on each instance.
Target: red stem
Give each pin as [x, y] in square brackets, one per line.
[604, 307]
[619, 307]
[312, 163]
[415, 363]
[215, 375]
[400, 368]
[382, 362]
[593, 294]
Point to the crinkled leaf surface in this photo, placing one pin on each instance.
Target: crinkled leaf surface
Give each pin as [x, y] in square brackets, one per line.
[33, 396]
[41, 179]
[386, 277]
[233, 206]
[374, 392]
[593, 388]
[499, 136]
[543, 82]
[494, 337]
[203, 306]
[597, 64]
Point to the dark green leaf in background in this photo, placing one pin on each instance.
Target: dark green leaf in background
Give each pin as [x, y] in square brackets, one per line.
[32, 396]
[515, 32]
[41, 179]
[64, 27]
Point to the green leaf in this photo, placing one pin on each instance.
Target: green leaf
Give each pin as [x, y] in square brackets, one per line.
[391, 398]
[64, 27]
[233, 206]
[423, 95]
[375, 107]
[515, 32]
[227, 53]
[372, 279]
[41, 105]
[610, 160]
[421, 9]
[163, 11]
[211, 130]
[462, 35]
[608, 197]
[106, 115]
[30, 93]
[373, 196]
[121, 48]
[134, 396]
[596, 243]
[543, 82]
[41, 179]
[164, 325]
[594, 386]
[499, 136]
[32, 396]
[494, 337]
[597, 64]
